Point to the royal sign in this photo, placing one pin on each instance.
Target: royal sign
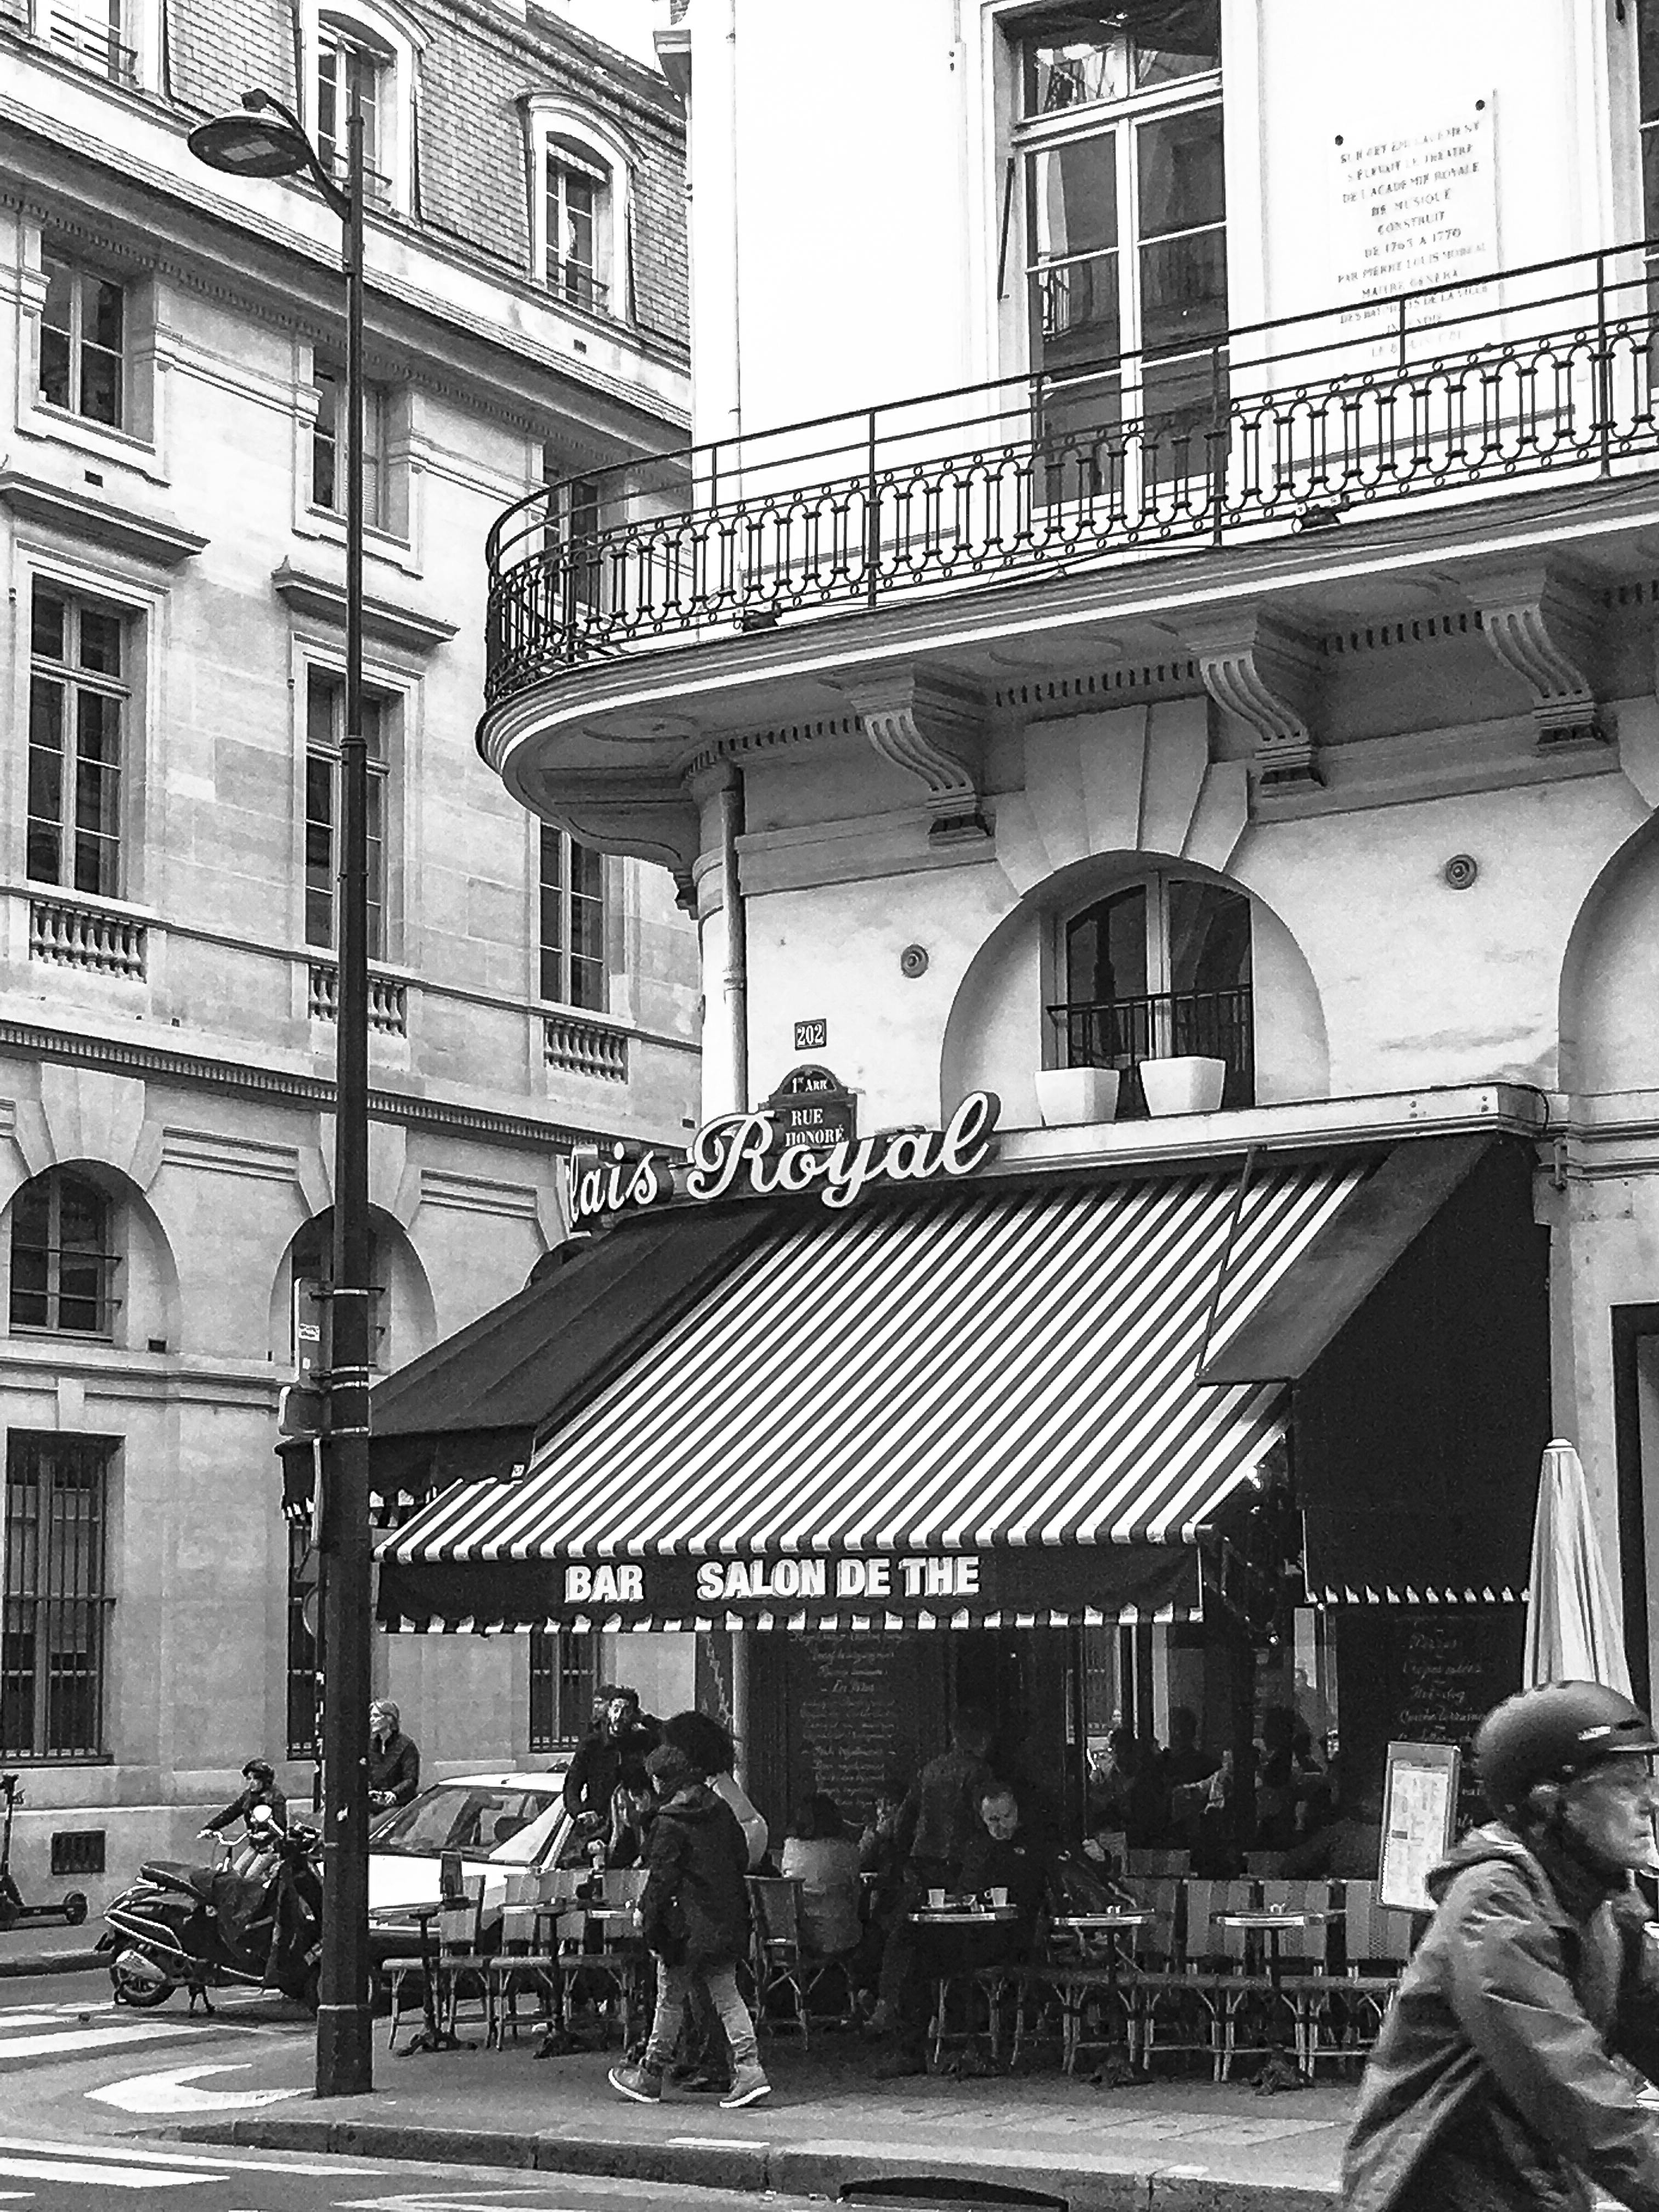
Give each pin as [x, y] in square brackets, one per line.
[741, 1153]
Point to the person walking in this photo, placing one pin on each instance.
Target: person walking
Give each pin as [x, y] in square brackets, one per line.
[394, 1759]
[1497, 2082]
[694, 1914]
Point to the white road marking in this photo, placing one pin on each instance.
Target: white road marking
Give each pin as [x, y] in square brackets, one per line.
[274, 2164]
[108, 2177]
[171, 2092]
[61, 2041]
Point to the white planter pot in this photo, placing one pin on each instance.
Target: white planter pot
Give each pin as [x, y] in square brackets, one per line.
[1187, 1085]
[1067, 1096]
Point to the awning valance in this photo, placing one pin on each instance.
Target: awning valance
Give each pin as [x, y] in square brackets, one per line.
[974, 1408]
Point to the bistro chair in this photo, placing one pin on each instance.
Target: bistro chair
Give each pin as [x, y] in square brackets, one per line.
[1179, 2005]
[1265, 1999]
[1345, 2006]
[528, 1958]
[618, 1965]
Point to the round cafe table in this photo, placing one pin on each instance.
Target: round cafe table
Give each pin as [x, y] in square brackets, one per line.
[1117, 2068]
[1278, 2071]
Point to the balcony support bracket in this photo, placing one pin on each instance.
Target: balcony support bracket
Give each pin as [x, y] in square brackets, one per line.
[934, 732]
[1267, 674]
[1543, 626]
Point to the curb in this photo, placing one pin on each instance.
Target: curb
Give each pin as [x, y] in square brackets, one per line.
[803, 2170]
[50, 1962]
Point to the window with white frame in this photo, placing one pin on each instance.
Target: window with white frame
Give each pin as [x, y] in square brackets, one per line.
[350, 63]
[572, 535]
[1119, 144]
[573, 919]
[373, 47]
[579, 212]
[79, 703]
[94, 32]
[83, 335]
[324, 738]
[328, 448]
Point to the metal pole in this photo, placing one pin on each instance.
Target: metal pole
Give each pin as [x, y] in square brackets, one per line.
[344, 2062]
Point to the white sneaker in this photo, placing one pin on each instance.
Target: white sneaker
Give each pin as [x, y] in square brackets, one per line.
[748, 2088]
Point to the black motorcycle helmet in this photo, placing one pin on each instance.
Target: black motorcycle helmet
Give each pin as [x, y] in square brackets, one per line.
[260, 1771]
[1554, 1732]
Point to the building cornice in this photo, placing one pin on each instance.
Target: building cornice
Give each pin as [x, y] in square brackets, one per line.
[325, 601]
[155, 1063]
[151, 538]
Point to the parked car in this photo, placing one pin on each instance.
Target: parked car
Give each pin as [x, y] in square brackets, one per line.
[501, 1824]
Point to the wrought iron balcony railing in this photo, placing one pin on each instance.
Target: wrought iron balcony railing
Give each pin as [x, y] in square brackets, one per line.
[1459, 390]
[1122, 1033]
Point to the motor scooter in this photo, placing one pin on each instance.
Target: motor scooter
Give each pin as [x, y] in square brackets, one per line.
[252, 1920]
[72, 1911]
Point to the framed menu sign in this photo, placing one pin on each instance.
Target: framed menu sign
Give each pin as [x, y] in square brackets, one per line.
[1420, 1809]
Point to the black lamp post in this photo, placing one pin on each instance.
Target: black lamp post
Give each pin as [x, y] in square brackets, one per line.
[266, 139]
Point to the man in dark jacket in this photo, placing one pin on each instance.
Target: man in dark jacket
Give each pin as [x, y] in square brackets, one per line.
[694, 1914]
[394, 1759]
[613, 1752]
[1496, 2086]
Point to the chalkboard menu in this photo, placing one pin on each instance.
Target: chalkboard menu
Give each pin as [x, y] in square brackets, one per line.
[1427, 1674]
[840, 1713]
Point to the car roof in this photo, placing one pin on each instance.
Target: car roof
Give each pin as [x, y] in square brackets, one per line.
[548, 1779]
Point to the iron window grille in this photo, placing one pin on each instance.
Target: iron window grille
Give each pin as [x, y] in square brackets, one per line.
[563, 1674]
[78, 704]
[52, 1650]
[83, 342]
[325, 736]
[63, 1257]
[573, 921]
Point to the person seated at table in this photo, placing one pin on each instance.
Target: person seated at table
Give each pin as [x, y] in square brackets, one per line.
[885, 1846]
[630, 1815]
[1348, 1847]
[1128, 1794]
[1001, 1854]
[822, 1857]
[1186, 1761]
[940, 1813]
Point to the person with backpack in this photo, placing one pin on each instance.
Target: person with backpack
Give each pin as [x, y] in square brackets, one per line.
[1501, 2081]
[694, 1914]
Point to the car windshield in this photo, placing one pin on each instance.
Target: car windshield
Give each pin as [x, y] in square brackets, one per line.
[502, 1822]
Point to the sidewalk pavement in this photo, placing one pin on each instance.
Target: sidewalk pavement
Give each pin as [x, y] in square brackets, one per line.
[47, 1947]
[1165, 2146]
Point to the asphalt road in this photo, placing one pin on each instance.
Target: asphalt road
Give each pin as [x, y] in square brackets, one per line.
[63, 2146]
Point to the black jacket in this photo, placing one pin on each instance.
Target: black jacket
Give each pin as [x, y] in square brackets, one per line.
[395, 1765]
[1020, 1866]
[695, 1906]
[601, 1761]
[1494, 2086]
[257, 1793]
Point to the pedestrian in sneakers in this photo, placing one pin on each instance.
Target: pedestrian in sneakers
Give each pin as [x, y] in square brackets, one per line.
[695, 1915]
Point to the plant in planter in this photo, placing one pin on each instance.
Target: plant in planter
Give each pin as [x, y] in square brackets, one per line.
[1068, 1097]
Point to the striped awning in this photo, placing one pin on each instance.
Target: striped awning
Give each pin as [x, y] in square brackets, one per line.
[964, 1410]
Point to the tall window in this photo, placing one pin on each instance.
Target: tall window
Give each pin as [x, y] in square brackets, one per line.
[1126, 229]
[62, 1256]
[83, 338]
[328, 448]
[1647, 34]
[78, 699]
[573, 533]
[578, 212]
[573, 920]
[52, 1651]
[340, 55]
[564, 1673]
[1158, 970]
[325, 734]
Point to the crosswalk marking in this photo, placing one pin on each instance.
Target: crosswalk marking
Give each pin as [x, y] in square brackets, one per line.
[107, 2176]
[130, 2156]
[62, 2040]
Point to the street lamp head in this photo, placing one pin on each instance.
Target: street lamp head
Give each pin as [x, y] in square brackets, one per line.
[250, 142]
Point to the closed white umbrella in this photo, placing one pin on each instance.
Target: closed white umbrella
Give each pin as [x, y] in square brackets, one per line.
[1572, 1624]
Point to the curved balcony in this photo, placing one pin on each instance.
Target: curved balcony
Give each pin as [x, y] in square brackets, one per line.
[1462, 390]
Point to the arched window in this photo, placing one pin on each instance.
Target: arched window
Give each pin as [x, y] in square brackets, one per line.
[372, 46]
[579, 209]
[1158, 969]
[62, 1256]
[312, 1268]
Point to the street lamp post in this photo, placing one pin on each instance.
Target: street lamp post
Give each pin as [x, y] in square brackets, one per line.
[266, 139]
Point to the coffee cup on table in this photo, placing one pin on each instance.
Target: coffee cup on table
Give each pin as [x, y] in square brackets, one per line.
[999, 1895]
[936, 1901]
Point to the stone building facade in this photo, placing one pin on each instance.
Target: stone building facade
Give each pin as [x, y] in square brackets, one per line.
[170, 516]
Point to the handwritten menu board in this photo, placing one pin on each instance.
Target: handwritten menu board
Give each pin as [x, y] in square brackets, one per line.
[1427, 1674]
[852, 1726]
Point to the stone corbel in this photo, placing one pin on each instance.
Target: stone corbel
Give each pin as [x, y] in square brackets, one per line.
[651, 817]
[1267, 674]
[1544, 627]
[935, 731]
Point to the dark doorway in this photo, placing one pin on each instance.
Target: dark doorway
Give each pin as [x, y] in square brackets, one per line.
[1636, 1429]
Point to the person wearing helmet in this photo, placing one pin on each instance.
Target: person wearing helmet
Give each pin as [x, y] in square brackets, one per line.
[260, 1778]
[1497, 2083]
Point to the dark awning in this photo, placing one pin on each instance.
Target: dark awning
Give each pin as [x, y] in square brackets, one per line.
[472, 1406]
